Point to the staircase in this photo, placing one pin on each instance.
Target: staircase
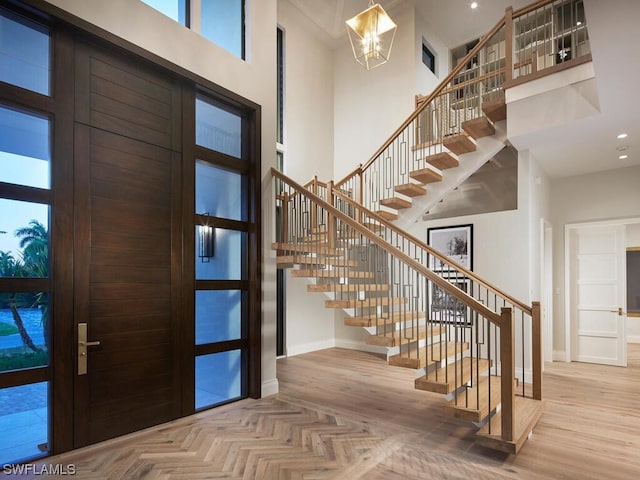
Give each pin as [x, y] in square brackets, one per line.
[461, 345]
[466, 339]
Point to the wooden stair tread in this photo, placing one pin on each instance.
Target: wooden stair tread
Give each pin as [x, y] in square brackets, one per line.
[459, 144]
[479, 127]
[387, 215]
[442, 160]
[465, 405]
[393, 337]
[383, 319]
[426, 175]
[366, 303]
[495, 110]
[349, 287]
[527, 413]
[340, 273]
[317, 248]
[411, 190]
[395, 203]
[428, 355]
[305, 260]
[448, 379]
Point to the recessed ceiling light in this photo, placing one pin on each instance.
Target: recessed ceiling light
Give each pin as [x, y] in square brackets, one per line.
[622, 135]
[474, 5]
[623, 157]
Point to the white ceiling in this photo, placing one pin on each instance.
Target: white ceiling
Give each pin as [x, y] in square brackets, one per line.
[585, 146]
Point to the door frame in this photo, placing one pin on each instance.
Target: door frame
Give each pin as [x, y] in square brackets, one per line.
[568, 229]
[546, 287]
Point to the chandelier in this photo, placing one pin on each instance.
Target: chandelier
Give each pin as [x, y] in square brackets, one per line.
[371, 33]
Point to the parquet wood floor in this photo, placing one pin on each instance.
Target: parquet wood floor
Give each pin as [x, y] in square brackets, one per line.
[348, 415]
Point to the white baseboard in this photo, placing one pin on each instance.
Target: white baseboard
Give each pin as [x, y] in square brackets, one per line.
[270, 387]
[559, 356]
[360, 346]
[292, 351]
[633, 338]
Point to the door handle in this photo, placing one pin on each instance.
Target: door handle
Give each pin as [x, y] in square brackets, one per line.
[82, 348]
[618, 311]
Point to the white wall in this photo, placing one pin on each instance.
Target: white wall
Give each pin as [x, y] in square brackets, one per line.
[500, 240]
[539, 208]
[426, 81]
[587, 198]
[142, 25]
[308, 151]
[370, 105]
[308, 98]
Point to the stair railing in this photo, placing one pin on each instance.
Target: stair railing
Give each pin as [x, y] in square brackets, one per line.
[540, 39]
[436, 122]
[529, 349]
[392, 289]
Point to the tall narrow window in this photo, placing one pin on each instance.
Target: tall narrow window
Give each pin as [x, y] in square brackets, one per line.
[25, 209]
[222, 254]
[25, 322]
[222, 22]
[280, 275]
[280, 86]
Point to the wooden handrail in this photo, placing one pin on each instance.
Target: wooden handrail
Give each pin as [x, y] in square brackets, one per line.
[395, 252]
[468, 273]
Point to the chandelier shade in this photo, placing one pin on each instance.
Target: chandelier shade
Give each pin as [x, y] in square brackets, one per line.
[371, 34]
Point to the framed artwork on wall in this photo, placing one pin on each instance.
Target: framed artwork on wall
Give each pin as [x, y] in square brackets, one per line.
[455, 243]
[445, 308]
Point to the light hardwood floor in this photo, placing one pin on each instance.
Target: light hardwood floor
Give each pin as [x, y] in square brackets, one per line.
[343, 414]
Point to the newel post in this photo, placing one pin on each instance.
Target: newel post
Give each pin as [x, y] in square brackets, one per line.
[536, 349]
[508, 368]
[360, 187]
[508, 44]
[331, 199]
[314, 208]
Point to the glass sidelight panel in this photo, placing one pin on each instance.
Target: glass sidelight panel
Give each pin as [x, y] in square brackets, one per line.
[218, 315]
[25, 148]
[218, 129]
[24, 330]
[23, 422]
[24, 239]
[24, 53]
[220, 193]
[224, 258]
[218, 378]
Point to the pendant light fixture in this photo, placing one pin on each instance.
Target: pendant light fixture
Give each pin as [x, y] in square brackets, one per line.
[371, 33]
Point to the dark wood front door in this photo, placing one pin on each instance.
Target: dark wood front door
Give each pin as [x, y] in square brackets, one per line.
[127, 245]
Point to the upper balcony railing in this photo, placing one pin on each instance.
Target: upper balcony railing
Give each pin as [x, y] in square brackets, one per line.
[543, 38]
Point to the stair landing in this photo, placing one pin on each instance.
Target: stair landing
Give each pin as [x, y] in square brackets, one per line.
[527, 413]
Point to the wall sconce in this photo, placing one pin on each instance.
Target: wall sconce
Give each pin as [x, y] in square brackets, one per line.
[371, 33]
[207, 239]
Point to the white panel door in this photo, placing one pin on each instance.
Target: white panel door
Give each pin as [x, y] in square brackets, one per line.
[598, 286]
